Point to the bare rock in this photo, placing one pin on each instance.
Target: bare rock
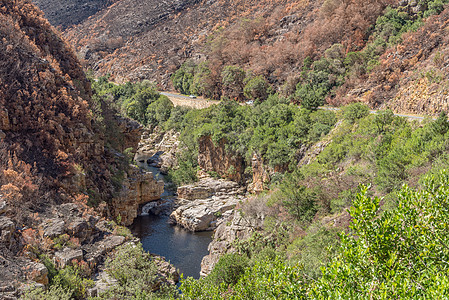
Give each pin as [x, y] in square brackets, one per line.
[207, 187]
[103, 283]
[139, 188]
[66, 256]
[3, 206]
[53, 227]
[260, 174]
[37, 272]
[166, 270]
[95, 253]
[80, 229]
[216, 158]
[7, 228]
[158, 148]
[215, 198]
[231, 229]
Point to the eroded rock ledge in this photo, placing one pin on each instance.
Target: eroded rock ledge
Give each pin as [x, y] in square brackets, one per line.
[205, 204]
[233, 227]
[139, 188]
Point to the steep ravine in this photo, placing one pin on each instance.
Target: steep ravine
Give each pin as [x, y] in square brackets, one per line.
[183, 248]
[180, 225]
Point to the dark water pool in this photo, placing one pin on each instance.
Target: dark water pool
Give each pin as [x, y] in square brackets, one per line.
[182, 248]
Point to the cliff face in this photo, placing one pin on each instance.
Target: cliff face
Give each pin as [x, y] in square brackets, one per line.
[56, 174]
[217, 159]
[139, 188]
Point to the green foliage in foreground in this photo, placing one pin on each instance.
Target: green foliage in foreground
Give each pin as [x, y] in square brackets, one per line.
[136, 274]
[401, 254]
[263, 280]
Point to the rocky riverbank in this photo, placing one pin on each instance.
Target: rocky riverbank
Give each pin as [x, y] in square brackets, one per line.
[205, 204]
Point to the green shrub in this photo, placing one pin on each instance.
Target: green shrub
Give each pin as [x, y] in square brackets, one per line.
[401, 253]
[229, 269]
[355, 111]
[136, 274]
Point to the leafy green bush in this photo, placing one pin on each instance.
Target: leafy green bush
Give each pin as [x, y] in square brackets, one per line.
[136, 274]
[401, 253]
[355, 111]
[299, 200]
[228, 269]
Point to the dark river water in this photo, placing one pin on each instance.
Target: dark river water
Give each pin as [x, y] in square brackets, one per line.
[182, 248]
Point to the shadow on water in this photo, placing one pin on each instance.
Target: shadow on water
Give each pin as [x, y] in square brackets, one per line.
[182, 248]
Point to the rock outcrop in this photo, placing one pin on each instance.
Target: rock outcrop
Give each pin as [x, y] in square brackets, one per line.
[215, 158]
[139, 188]
[205, 204]
[261, 175]
[234, 227]
[158, 148]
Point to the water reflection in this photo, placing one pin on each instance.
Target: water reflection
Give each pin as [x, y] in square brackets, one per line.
[182, 248]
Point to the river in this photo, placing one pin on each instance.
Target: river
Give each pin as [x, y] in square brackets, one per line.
[184, 249]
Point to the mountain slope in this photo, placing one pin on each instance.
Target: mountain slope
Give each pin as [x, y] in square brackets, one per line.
[66, 13]
[270, 37]
[411, 76]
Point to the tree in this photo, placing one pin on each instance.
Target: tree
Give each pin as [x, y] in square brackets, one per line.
[159, 111]
[183, 78]
[232, 80]
[299, 200]
[355, 111]
[441, 124]
[311, 96]
[382, 119]
[256, 88]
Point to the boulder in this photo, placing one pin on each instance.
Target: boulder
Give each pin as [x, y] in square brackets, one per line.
[208, 187]
[233, 228]
[66, 256]
[216, 199]
[166, 270]
[37, 272]
[79, 228]
[7, 228]
[95, 253]
[3, 206]
[103, 282]
[52, 228]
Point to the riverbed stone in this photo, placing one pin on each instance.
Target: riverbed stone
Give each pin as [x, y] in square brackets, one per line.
[216, 197]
